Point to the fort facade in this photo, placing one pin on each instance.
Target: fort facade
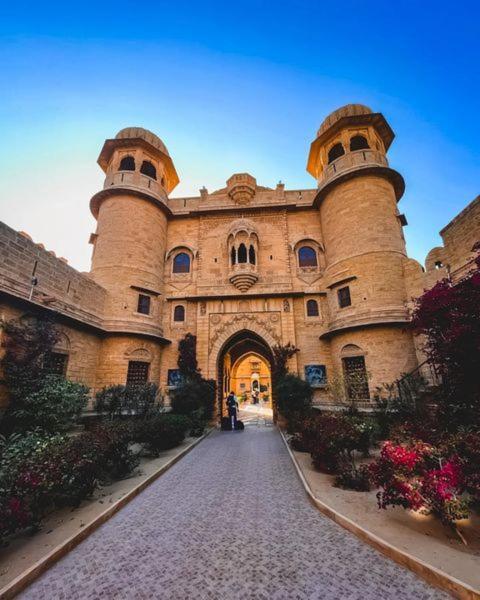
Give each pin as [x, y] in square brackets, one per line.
[244, 268]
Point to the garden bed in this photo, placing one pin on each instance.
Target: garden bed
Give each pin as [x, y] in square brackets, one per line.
[25, 551]
[422, 537]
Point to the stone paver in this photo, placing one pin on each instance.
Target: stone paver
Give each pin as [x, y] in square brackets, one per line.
[229, 521]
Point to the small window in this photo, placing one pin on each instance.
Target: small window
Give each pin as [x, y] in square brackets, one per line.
[127, 163]
[242, 253]
[143, 304]
[312, 308]
[179, 313]
[137, 373]
[181, 263]
[148, 169]
[358, 142]
[307, 257]
[251, 255]
[335, 152]
[344, 298]
[55, 363]
[233, 256]
[438, 264]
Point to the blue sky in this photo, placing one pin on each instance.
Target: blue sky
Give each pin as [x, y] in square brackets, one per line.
[231, 87]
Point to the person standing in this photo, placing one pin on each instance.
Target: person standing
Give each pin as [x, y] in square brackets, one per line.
[232, 406]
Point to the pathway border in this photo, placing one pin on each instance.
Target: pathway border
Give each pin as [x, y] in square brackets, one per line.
[428, 572]
[27, 577]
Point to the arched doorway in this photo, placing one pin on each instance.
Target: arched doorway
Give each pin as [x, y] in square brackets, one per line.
[240, 360]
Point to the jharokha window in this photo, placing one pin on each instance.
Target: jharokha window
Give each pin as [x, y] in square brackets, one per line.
[358, 142]
[307, 257]
[148, 169]
[127, 163]
[335, 152]
[137, 373]
[143, 304]
[55, 363]
[181, 263]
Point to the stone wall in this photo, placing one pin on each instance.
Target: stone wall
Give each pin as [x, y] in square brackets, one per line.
[59, 287]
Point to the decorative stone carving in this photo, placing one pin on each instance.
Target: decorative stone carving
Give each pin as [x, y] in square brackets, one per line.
[241, 188]
[243, 276]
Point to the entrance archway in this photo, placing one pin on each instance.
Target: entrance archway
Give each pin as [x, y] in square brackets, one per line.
[237, 349]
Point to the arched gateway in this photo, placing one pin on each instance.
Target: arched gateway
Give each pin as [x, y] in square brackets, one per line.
[241, 344]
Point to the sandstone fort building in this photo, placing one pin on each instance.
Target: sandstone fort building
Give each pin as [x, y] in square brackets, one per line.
[244, 268]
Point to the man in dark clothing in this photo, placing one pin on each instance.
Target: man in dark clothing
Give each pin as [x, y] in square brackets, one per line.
[232, 406]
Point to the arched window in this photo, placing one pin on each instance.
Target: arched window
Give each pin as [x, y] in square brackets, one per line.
[335, 152]
[358, 142]
[312, 308]
[307, 257]
[251, 255]
[181, 263]
[148, 169]
[242, 253]
[127, 163]
[233, 255]
[179, 313]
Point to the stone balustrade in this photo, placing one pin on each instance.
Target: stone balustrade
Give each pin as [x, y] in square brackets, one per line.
[350, 162]
[135, 180]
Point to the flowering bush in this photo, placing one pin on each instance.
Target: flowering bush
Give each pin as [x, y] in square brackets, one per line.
[448, 317]
[39, 472]
[333, 439]
[417, 478]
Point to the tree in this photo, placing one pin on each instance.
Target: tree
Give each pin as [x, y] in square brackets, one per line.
[26, 342]
[281, 355]
[294, 396]
[187, 358]
[195, 394]
[36, 399]
[448, 316]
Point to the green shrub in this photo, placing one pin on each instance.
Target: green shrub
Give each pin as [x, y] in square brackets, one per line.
[54, 407]
[294, 396]
[115, 459]
[161, 432]
[351, 477]
[119, 400]
[194, 395]
[197, 423]
[333, 439]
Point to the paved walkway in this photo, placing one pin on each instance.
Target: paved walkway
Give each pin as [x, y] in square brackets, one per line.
[229, 521]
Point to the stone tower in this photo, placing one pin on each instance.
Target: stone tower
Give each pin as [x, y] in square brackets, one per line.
[364, 244]
[129, 250]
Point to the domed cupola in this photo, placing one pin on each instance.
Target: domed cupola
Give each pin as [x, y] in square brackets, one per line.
[350, 139]
[137, 159]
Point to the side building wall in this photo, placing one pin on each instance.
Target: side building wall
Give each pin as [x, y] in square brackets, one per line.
[71, 298]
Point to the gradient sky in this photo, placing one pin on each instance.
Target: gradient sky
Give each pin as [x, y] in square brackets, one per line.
[231, 87]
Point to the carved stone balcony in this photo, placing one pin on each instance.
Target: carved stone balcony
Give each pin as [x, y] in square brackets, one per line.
[352, 161]
[243, 276]
[135, 181]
